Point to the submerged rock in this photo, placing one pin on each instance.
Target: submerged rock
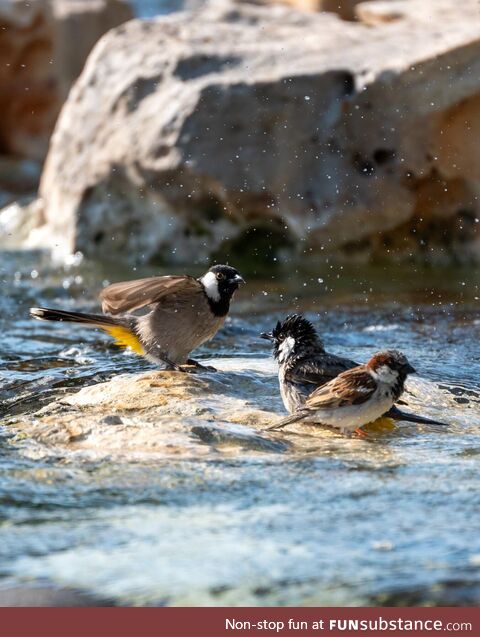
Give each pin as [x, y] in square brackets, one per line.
[41, 594]
[242, 126]
[40, 62]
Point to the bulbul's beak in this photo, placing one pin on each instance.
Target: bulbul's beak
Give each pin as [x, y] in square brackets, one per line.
[267, 335]
[239, 279]
[408, 369]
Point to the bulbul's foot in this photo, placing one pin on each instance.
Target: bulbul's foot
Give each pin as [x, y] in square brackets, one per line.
[199, 367]
[170, 366]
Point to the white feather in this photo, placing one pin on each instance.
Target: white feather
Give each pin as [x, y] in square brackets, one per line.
[385, 374]
[286, 348]
[210, 284]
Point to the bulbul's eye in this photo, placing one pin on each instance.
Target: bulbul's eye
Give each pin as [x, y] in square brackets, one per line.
[220, 276]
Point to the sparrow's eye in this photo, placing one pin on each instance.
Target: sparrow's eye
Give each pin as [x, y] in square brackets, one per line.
[220, 276]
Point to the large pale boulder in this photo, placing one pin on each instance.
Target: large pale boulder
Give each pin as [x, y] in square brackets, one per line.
[344, 8]
[43, 47]
[244, 126]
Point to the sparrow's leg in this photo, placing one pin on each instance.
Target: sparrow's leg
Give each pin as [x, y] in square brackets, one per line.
[361, 433]
[199, 366]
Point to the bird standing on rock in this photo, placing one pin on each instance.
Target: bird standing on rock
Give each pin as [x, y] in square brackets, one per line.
[358, 396]
[304, 366]
[184, 313]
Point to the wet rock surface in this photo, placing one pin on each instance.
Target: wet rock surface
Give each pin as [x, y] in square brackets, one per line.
[272, 129]
[173, 413]
[191, 479]
[145, 488]
[165, 413]
[41, 594]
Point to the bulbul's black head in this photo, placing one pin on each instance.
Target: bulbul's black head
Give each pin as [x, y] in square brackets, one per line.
[220, 283]
[296, 331]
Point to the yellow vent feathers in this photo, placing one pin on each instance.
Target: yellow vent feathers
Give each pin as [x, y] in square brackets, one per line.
[125, 338]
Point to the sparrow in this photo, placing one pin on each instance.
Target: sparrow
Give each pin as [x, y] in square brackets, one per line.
[184, 313]
[304, 365]
[357, 396]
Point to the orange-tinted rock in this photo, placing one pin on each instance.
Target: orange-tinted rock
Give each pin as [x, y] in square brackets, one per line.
[43, 46]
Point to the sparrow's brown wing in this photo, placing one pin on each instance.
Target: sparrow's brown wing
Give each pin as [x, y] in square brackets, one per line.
[352, 387]
[129, 296]
[318, 369]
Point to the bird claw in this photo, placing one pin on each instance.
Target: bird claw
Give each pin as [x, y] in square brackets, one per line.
[199, 367]
[170, 366]
[361, 433]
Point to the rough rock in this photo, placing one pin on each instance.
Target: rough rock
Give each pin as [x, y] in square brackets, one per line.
[378, 12]
[220, 131]
[344, 8]
[43, 47]
[165, 414]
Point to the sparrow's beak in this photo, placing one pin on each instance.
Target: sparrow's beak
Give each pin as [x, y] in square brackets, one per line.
[267, 335]
[408, 369]
[238, 279]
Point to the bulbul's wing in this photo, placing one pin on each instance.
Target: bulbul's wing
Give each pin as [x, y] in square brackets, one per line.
[318, 369]
[353, 387]
[129, 296]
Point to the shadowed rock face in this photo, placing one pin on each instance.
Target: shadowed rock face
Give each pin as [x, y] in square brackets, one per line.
[186, 132]
[39, 63]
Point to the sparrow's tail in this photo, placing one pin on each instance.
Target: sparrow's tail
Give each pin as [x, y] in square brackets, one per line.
[119, 329]
[288, 420]
[398, 414]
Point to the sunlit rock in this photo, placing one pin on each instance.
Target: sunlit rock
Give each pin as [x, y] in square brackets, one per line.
[168, 414]
[165, 413]
[344, 8]
[378, 12]
[242, 129]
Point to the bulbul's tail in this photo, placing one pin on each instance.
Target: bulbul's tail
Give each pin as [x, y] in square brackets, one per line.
[123, 334]
[298, 415]
[398, 414]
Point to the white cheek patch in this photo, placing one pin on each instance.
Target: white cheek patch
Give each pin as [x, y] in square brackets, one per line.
[210, 284]
[385, 374]
[286, 348]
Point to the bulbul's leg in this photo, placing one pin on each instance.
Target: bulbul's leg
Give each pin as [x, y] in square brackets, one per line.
[170, 366]
[199, 366]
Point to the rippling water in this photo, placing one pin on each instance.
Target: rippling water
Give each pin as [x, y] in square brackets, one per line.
[323, 520]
